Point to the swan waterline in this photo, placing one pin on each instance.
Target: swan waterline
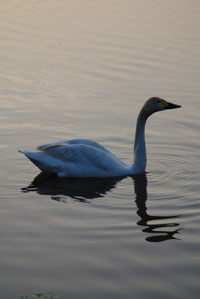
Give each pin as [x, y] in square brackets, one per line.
[86, 158]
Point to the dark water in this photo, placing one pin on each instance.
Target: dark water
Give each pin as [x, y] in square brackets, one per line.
[82, 69]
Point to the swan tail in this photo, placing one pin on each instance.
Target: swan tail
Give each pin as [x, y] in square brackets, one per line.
[44, 162]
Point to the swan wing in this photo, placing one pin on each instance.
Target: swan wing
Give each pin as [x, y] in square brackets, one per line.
[80, 154]
[81, 160]
[77, 158]
[88, 142]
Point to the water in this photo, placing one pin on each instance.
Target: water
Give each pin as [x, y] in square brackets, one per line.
[82, 69]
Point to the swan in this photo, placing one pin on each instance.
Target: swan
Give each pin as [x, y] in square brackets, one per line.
[87, 158]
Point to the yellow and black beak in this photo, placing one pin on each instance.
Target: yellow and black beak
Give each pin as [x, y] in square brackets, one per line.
[168, 105]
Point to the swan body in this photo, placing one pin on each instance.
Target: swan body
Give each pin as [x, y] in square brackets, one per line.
[87, 158]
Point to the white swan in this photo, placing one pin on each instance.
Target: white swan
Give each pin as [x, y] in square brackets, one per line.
[87, 158]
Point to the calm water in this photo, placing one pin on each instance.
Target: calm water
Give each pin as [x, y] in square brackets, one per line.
[82, 69]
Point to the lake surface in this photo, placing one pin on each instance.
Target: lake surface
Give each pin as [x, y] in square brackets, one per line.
[83, 69]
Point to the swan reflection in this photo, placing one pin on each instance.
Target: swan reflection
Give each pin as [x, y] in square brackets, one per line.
[78, 189]
[84, 190]
[160, 230]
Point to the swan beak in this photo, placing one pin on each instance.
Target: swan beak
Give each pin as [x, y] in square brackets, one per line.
[172, 106]
[167, 105]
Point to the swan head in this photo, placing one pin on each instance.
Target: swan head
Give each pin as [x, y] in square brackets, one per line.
[156, 104]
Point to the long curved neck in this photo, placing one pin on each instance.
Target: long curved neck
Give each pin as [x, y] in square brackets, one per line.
[140, 158]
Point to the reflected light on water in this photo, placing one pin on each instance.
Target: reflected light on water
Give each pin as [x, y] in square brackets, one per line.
[83, 69]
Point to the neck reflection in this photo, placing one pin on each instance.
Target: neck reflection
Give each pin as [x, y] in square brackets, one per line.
[158, 225]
